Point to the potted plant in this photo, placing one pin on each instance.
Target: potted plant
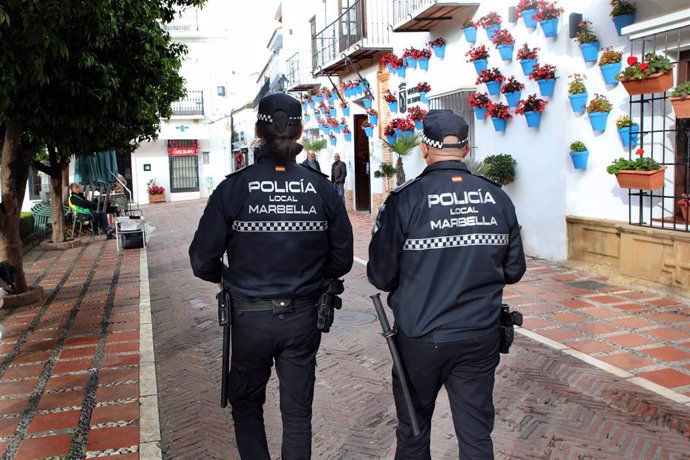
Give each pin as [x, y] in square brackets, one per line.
[391, 61]
[423, 88]
[385, 171]
[505, 43]
[373, 116]
[531, 108]
[680, 98]
[511, 90]
[306, 117]
[469, 28]
[156, 192]
[598, 110]
[491, 23]
[403, 127]
[528, 58]
[345, 107]
[479, 56]
[402, 147]
[651, 76]
[642, 173]
[392, 101]
[416, 114]
[577, 92]
[439, 47]
[547, 16]
[627, 130]
[499, 114]
[545, 76]
[683, 204]
[347, 134]
[500, 168]
[367, 100]
[368, 128]
[410, 56]
[526, 9]
[389, 132]
[314, 144]
[610, 65]
[587, 39]
[479, 102]
[579, 154]
[333, 138]
[622, 14]
[492, 78]
[423, 57]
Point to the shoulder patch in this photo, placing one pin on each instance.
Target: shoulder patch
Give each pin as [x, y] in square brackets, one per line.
[241, 170]
[489, 180]
[400, 187]
[313, 170]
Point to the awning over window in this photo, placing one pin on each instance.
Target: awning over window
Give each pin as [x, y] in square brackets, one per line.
[659, 24]
[183, 131]
[89, 169]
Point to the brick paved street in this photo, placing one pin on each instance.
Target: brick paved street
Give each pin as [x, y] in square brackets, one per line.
[600, 371]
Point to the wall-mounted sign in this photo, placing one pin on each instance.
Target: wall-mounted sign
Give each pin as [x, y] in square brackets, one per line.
[407, 96]
[183, 147]
[147, 167]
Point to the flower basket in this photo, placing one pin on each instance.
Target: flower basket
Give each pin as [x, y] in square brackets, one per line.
[609, 72]
[681, 106]
[494, 87]
[390, 139]
[580, 159]
[590, 51]
[629, 135]
[621, 21]
[423, 97]
[546, 87]
[512, 98]
[528, 65]
[549, 27]
[393, 106]
[411, 62]
[374, 120]
[641, 180]
[480, 113]
[418, 125]
[480, 65]
[369, 131]
[333, 140]
[655, 83]
[499, 123]
[346, 111]
[439, 51]
[367, 102]
[423, 63]
[491, 30]
[470, 34]
[533, 119]
[598, 120]
[401, 71]
[528, 17]
[157, 198]
[506, 52]
[348, 137]
[578, 102]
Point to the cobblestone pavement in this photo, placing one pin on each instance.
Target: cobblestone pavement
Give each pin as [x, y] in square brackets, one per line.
[553, 397]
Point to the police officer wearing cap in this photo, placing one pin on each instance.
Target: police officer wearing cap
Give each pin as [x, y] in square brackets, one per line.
[285, 231]
[444, 246]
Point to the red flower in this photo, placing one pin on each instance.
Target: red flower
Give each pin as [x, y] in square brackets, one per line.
[644, 66]
[632, 60]
[639, 152]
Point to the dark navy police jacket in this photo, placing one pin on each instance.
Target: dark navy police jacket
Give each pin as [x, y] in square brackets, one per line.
[283, 226]
[444, 246]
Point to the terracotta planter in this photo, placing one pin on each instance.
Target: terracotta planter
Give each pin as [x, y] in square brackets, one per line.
[684, 213]
[641, 180]
[681, 105]
[158, 198]
[655, 83]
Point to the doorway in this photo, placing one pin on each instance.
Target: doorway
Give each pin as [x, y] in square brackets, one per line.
[362, 170]
[124, 167]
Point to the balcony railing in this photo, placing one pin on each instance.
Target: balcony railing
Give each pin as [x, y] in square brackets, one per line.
[299, 72]
[191, 104]
[424, 15]
[360, 32]
[186, 21]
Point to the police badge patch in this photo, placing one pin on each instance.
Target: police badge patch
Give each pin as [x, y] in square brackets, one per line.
[377, 224]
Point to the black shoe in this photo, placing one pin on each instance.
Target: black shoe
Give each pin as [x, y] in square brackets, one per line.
[111, 236]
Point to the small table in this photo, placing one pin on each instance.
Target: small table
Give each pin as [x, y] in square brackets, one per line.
[130, 227]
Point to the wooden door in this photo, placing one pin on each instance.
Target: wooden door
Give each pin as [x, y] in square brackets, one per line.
[362, 169]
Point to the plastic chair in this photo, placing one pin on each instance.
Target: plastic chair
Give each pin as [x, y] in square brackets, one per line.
[82, 220]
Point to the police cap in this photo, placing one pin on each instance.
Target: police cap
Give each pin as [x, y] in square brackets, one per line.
[279, 101]
[441, 123]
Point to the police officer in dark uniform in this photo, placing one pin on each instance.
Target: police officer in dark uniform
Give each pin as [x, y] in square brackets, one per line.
[444, 246]
[285, 231]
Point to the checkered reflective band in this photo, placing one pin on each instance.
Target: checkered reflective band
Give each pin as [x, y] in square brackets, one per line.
[264, 117]
[454, 241]
[269, 119]
[439, 145]
[280, 226]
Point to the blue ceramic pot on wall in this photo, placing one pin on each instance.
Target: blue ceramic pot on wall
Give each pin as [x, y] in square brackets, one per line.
[528, 65]
[578, 102]
[512, 98]
[547, 86]
[369, 131]
[423, 63]
[528, 17]
[609, 72]
[506, 52]
[480, 64]
[598, 120]
[493, 87]
[622, 21]
[590, 51]
[499, 123]
[579, 159]
[533, 119]
[480, 113]
[550, 27]
[374, 120]
[439, 51]
[629, 135]
[490, 31]
[470, 34]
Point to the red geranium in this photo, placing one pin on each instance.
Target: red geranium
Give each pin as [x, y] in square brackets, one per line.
[416, 113]
[366, 124]
[511, 85]
[498, 110]
[155, 189]
[389, 97]
[404, 124]
[392, 60]
[525, 52]
[526, 5]
[478, 100]
[476, 53]
[491, 19]
[423, 87]
[548, 10]
[437, 43]
[492, 74]
[468, 23]
[531, 104]
[503, 37]
[389, 129]
[543, 72]
[346, 130]
[372, 113]
[632, 60]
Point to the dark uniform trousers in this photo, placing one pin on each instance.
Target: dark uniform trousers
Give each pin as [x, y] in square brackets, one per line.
[466, 368]
[258, 339]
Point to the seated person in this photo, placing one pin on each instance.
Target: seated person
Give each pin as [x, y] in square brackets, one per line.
[87, 210]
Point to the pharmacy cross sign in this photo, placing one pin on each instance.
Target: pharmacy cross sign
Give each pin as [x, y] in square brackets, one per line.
[182, 128]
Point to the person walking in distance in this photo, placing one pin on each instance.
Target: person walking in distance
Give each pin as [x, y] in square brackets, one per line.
[285, 232]
[338, 175]
[444, 246]
[311, 161]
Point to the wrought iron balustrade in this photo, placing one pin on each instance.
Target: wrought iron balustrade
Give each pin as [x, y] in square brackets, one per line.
[191, 104]
[185, 21]
[299, 72]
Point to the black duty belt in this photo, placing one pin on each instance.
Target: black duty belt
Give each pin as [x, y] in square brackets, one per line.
[272, 305]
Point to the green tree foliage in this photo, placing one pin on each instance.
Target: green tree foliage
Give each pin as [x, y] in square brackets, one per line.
[501, 168]
[314, 144]
[402, 146]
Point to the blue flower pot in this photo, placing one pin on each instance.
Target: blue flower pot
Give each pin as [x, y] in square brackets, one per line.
[307, 118]
[390, 68]
[512, 98]
[318, 99]
[333, 98]
[398, 132]
[439, 51]
[423, 98]
[390, 139]
[490, 31]
[318, 115]
[546, 86]
[579, 159]
[550, 27]
[578, 101]
[346, 111]
[333, 141]
[423, 63]
[361, 88]
[528, 17]
[312, 105]
[598, 120]
[369, 131]
[480, 113]
[367, 102]
[609, 72]
[470, 34]
[304, 107]
[348, 137]
[622, 21]
[334, 113]
[411, 62]
[393, 106]
[374, 120]
[338, 129]
[590, 51]
[480, 64]
[418, 125]
[506, 52]
[401, 71]
[528, 65]
[629, 135]
[533, 119]
[499, 123]
[494, 87]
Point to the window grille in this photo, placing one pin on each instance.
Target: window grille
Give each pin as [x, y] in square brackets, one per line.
[457, 102]
[184, 174]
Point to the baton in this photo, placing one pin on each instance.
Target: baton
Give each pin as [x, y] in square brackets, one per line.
[397, 361]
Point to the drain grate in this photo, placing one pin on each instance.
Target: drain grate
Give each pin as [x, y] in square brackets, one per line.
[590, 285]
[354, 318]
